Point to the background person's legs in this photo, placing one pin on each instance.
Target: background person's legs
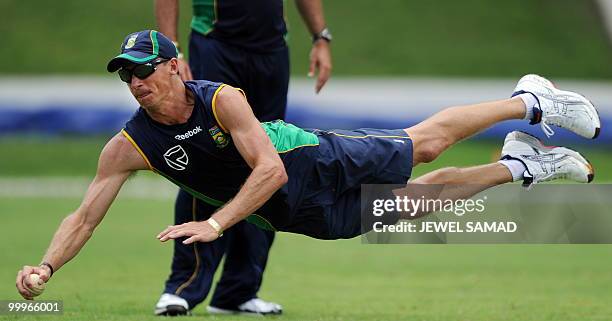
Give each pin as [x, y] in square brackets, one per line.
[245, 261]
[268, 84]
[194, 265]
[437, 133]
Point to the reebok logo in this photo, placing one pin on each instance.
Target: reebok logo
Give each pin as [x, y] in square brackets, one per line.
[188, 134]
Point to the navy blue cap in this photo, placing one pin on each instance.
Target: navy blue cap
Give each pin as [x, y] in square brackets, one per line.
[142, 47]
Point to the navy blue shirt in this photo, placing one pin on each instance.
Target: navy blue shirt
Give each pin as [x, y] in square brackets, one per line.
[200, 157]
[198, 153]
[257, 25]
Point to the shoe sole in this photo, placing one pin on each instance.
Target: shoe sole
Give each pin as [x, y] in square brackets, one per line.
[582, 159]
[172, 311]
[218, 311]
[539, 80]
[536, 143]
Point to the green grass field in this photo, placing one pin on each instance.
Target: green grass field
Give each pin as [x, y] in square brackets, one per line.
[558, 38]
[78, 156]
[119, 274]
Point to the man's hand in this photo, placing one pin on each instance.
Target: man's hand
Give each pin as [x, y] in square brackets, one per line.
[23, 279]
[320, 59]
[184, 70]
[196, 231]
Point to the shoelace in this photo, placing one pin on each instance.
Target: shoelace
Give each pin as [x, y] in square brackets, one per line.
[548, 131]
[529, 180]
[550, 119]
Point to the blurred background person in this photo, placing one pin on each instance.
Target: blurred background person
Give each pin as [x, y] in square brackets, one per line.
[240, 43]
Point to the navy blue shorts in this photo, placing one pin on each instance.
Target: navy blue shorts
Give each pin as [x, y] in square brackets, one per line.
[264, 77]
[329, 206]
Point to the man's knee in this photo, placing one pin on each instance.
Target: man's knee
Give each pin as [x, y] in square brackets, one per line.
[426, 152]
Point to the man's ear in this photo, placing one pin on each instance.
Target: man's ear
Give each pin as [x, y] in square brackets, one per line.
[173, 63]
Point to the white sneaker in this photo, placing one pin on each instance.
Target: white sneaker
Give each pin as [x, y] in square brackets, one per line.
[545, 163]
[564, 109]
[254, 307]
[171, 305]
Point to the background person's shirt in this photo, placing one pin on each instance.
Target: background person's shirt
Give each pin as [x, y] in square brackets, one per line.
[257, 25]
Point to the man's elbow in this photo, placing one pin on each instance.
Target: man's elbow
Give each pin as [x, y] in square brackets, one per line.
[282, 176]
[277, 174]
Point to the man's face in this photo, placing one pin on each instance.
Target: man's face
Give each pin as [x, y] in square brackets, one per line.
[152, 90]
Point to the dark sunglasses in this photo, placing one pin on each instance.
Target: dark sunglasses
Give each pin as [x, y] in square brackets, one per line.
[140, 71]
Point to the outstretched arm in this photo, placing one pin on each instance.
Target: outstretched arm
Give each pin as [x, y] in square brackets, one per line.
[117, 161]
[268, 175]
[320, 54]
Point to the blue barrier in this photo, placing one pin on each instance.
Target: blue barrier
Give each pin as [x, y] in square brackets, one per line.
[53, 120]
[101, 105]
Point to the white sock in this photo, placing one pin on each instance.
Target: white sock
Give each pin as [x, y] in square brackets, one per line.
[516, 168]
[530, 102]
